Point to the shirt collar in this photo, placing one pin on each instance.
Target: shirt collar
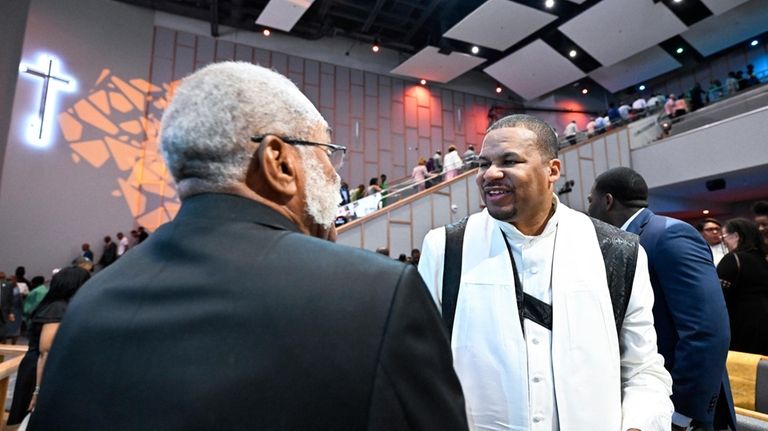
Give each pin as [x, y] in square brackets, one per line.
[631, 219]
[515, 236]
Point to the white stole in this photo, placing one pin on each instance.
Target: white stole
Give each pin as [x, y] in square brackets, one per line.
[492, 367]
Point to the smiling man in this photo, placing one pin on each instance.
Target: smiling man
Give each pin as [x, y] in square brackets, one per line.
[550, 311]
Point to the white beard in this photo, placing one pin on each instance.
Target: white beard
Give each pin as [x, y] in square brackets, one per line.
[321, 193]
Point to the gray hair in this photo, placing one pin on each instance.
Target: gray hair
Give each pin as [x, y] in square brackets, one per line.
[206, 130]
[546, 137]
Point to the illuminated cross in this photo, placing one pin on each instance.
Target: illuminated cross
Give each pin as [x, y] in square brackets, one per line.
[46, 81]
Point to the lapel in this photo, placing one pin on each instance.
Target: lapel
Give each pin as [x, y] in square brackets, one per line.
[640, 222]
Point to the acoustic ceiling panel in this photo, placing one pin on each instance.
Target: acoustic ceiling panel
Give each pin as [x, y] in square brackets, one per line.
[613, 30]
[499, 24]
[722, 31]
[534, 70]
[431, 65]
[283, 14]
[642, 66]
[719, 6]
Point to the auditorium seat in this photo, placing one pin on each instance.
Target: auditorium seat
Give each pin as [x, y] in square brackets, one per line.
[748, 374]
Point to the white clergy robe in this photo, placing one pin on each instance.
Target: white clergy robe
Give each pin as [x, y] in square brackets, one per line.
[580, 375]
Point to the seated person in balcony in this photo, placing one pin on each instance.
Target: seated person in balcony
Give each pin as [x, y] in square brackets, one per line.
[669, 106]
[591, 127]
[358, 193]
[624, 112]
[373, 187]
[240, 314]
[681, 106]
[614, 116]
[639, 106]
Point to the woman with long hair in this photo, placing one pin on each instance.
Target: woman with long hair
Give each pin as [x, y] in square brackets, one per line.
[45, 322]
[743, 273]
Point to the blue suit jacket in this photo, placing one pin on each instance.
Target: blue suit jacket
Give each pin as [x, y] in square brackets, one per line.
[690, 317]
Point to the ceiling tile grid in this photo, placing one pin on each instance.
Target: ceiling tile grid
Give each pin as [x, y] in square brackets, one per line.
[722, 31]
[616, 29]
[642, 66]
[431, 65]
[283, 14]
[534, 70]
[499, 24]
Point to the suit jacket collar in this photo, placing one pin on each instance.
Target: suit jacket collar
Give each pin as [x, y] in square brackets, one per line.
[642, 219]
[222, 207]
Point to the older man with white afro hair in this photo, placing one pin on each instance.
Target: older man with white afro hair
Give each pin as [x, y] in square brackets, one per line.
[207, 133]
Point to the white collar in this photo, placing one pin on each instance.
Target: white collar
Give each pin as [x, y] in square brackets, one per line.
[631, 219]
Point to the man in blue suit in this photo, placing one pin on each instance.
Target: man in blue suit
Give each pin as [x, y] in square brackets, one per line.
[689, 310]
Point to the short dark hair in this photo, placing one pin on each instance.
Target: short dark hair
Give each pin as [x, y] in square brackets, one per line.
[760, 208]
[709, 220]
[546, 137]
[625, 185]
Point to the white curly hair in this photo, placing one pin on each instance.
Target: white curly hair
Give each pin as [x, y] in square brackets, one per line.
[206, 130]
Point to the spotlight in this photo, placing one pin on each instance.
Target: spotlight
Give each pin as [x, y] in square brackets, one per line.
[677, 1]
[266, 32]
[642, 87]
[584, 91]
[679, 50]
[572, 53]
[549, 4]
[375, 47]
[475, 50]
[423, 82]
[753, 43]
[705, 212]
[498, 89]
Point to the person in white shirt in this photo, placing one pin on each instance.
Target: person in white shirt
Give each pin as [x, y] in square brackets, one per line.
[624, 112]
[537, 344]
[570, 132]
[122, 244]
[710, 231]
[452, 163]
[639, 106]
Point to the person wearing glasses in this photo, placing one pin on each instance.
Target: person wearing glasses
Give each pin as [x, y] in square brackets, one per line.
[239, 314]
[744, 276]
[710, 231]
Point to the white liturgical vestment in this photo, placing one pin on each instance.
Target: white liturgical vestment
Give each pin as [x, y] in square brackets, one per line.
[578, 376]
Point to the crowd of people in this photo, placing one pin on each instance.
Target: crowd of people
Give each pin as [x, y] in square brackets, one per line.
[672, 106]
[242, 313]
[111, 250]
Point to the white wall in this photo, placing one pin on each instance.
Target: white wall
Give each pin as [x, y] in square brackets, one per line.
[49, 204]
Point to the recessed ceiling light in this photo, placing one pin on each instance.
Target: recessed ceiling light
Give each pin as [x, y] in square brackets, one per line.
[266, 32]
[677, 1]
[499, 89]
[375, 46]
[679, 50]
[642, 87]
[572, 53]
[584, 91]
[549, 4]
[423, 82]
[475, 50]
[705, 212]
[753, 43]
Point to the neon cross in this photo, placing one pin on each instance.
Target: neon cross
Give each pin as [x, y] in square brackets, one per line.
[47, 76]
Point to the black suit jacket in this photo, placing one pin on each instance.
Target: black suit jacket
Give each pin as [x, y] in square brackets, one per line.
[228, 318]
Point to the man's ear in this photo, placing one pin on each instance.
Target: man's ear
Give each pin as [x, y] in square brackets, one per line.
[609, 201]
[273, 170]
[554, 170]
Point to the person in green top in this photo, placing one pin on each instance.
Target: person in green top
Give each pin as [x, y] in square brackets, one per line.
[37, 292]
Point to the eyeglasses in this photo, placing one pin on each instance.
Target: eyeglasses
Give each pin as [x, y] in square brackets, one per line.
[725, 235]
[335, 153]
[712, 229]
